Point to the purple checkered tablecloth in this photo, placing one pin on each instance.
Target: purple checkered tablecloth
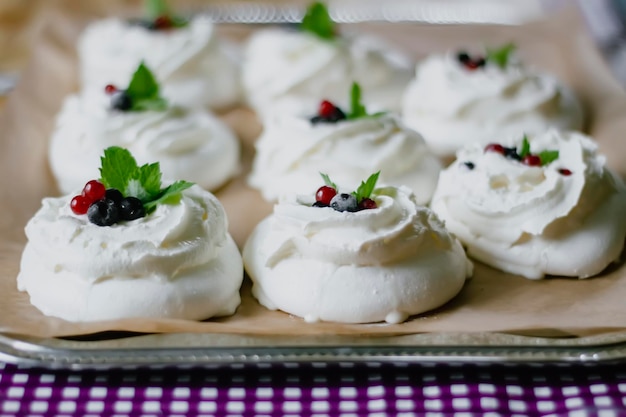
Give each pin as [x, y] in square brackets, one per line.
[293, 389]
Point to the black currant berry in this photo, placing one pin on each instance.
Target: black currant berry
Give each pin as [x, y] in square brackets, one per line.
[131, 208]
[114, 194]
[103, 213]
[463, 57]
[121, 101]
[319, 204]
[337, 115]
[469, 165]
[511, 153]
[344, 202]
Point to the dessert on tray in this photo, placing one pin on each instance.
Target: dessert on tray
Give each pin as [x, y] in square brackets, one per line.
[313, 61]
[127, 246]
[190, 144]
[540, 205]
[367, 256]
[346, 144]
[194, 66]
[459, 98]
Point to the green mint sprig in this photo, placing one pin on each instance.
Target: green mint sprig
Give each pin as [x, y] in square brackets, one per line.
[366, 188]
[357, 108]
[143, 91]
[525, 149]
[317, 21]
[501, 56]
[548, 156]
[119, 170]
[328, 182]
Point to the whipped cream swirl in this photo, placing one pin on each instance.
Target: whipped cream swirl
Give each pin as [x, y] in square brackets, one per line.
[178, 262]
[452, 105]
[563, 218]
[291, 152]
[380, 264]
[280, 64]
[194, 67]
[189, 144]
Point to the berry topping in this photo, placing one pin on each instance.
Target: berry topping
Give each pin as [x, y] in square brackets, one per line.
[532, 160]
[495, 147]
[469, 165]
[359, 200]
[470, 63]
[367, 204]
[344, 202]
[328, 113]
[103, 213]
[121, 101]
[131, 208]
[94, 190]
[324, 194]
[565, 171]
[80, 204]
[110, 89]
[524, 154]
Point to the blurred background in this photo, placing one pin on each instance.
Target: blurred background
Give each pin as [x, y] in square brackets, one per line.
[20, 20]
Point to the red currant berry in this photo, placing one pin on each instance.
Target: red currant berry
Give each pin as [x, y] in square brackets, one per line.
[163, 22]
[532, 160]
[495, 147]
[565, 171]
[367, 204]
[110, 89]
[471, 65]
[94, 191]
[80, 204]
[324, 194]
[327, 109]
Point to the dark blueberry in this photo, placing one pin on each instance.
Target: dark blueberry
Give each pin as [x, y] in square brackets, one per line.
[480, 62]
[337, 115]
[344, 202]
[511, 153]
[131, 208]
[121, 101]
[316, 119]
[469, 165]
[319, 204]
[114, 195]
[463, 57]
[103, 213]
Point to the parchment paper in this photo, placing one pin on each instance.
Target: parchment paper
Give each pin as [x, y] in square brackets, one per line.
[490, 302]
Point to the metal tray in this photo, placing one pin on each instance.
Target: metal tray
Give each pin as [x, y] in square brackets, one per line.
[113, 350]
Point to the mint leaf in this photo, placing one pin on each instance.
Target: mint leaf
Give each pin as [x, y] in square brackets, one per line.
[357, 109]
[501, 56]
[156, 8]
[365, 189]
[117, 167]
[119, 170]
[525, 150]
[158, 104]
[169, 195]
[143, 85]
[328, 182]
[318, 22]
[548, 156]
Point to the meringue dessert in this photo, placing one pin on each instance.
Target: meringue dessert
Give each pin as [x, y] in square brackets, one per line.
[458, 98]
[314, 62]
[536, 206]
[370, 256]
[190, 144]
[194, 66]
[348, 145]
[124, 248]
